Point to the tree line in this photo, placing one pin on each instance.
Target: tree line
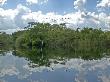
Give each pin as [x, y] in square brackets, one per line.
[45, 35]
[57, 39]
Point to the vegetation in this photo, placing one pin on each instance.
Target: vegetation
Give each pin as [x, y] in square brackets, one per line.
[5, 41]
[53, 40]
[45, 35]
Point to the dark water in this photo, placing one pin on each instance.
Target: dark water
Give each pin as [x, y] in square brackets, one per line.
[36, 66]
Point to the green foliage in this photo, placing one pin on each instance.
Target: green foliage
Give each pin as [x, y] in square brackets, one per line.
[5, 39]
[59, 36]
[55, 39]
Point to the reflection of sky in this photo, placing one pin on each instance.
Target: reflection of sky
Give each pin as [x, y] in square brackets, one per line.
[15, 69]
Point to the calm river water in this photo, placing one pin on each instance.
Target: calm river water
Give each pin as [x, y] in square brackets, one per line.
[42, 68]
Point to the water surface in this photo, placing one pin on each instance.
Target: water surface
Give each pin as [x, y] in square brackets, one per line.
[40, 67]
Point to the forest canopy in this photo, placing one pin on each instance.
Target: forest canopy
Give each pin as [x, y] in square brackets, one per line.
[45, 35]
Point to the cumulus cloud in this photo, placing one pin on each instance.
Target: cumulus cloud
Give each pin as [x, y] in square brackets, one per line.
[80, 19]
[93, 19]
[71, 18]
[100, 20]
[21, 10]
[79, 4]
[30, 2]
[43, 1]
[19, 17]
[104, 3]
[6, 18]
[11, 18]
[2, 2]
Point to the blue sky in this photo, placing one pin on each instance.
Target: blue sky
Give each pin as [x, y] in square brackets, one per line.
[58, 6]
[15, 14]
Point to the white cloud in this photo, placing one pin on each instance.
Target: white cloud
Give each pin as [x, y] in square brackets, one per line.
[6, 18]
[11, 18]
[80, 19]
[79, 4]
[2, 2]
[43, 1]
[104, 3]
[52, 17]
[30, 2]
[21, 10]
[21, 15]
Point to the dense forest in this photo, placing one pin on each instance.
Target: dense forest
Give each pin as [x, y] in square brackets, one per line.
[6, 41]
[45, 35]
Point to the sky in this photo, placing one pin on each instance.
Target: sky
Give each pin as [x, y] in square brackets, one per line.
[15, 14]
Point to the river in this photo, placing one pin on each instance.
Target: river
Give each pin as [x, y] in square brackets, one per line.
[43, 68]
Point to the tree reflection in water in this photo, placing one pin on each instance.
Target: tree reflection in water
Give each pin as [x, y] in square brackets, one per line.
[38, 57]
